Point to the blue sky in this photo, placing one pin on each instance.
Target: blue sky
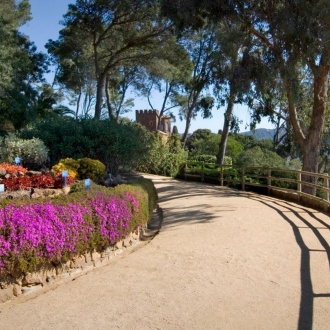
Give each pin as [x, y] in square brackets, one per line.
[45, 25]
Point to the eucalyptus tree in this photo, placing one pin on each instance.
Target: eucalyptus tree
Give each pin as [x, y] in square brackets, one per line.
[107, 35]
[294, 37]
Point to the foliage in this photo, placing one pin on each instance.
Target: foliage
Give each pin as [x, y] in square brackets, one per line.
[91, 168]
[21, 67]
[203, 141]
[109, 35]
[33, 234]
[6, 168]
[32, 152]
[23, 182]
[164, 158]
[204, 158]
[114, 144]
[260, 157]
[69, 164]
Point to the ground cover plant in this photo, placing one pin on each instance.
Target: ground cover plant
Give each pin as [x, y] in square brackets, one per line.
[38, 233]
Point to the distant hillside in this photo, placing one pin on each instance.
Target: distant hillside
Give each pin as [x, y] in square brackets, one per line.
[261, 133]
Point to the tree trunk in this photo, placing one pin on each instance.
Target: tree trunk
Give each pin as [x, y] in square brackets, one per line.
[186, 132]
[312, 144]
[225, 131]
[108, 96]
[99, 96]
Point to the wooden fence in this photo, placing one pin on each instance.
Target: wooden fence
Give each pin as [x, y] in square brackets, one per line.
[284, 183]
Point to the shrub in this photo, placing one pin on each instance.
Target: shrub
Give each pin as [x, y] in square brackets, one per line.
[164, 158]
[92, 169]
[69, 164]
[32, 152]
[12, 169]
[36, 181]
[114, 144]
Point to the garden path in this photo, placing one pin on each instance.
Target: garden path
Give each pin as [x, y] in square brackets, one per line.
[224, 259]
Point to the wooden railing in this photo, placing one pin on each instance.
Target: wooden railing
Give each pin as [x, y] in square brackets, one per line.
[284, 183]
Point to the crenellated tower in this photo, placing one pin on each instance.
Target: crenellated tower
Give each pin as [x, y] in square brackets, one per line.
[153, 121]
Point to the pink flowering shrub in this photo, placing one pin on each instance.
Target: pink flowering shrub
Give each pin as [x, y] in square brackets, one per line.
[51, 232]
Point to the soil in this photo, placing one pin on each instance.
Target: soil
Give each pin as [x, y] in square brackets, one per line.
[223, 259]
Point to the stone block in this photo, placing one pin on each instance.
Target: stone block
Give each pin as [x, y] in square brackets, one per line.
[17, 290]
[119, 245]
[32, 279]
[31, 289]
[6, 294]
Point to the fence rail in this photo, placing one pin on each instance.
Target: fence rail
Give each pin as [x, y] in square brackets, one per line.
[285, 183]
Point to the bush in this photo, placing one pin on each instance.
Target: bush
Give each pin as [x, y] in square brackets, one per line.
[114, 144]
[32, 152]
[92, 169]
[35, 181]
[82, 168]
[164, 158]
[69, 164]
[260, 157]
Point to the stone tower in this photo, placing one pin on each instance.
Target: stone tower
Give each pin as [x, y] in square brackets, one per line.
[153, 122]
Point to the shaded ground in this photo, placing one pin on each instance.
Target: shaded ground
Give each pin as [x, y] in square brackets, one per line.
[223, 259]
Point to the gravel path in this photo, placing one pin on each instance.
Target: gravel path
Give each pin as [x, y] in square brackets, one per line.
[224, 259]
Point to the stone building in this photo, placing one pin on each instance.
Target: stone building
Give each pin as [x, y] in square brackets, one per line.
[153, 121]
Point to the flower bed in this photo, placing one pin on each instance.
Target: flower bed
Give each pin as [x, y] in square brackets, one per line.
[19, 178]
[38, 233]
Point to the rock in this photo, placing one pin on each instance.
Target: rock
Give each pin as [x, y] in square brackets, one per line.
[31, 279]
[36, 195]
[17, 290]
[31, 289]
[6, 294]
[119, 245]
[2, 172]
[120, 180]
[66, 190]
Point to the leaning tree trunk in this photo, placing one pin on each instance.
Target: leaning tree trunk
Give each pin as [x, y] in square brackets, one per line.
[225, 131]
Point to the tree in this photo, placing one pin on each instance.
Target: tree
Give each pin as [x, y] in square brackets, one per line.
[109, 34]
[232, 73]
[201, 46]
[21, 67]
[294, 39]
[167, 72]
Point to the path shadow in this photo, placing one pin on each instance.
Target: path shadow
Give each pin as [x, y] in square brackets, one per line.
[172, 190]
[306, 310]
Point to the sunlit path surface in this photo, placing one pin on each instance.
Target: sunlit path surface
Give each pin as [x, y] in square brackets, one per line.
[224, 259]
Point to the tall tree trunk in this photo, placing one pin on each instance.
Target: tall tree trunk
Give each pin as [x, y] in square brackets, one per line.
[108, 96]
[186, 132]
[99, 95]
[226, 125]
[312, 144]
[78, 105]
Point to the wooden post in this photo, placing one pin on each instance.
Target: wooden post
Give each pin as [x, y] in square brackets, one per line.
[202, 174]
[221, 176]
[243, 178]
[326, 185]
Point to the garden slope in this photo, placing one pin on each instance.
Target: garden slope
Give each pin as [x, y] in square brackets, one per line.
[223, 259]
